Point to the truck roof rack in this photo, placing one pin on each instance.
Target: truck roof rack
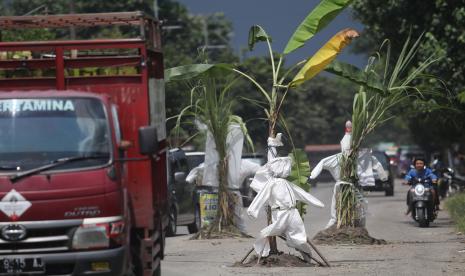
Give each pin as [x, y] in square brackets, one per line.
[76, 20]
[148, 26]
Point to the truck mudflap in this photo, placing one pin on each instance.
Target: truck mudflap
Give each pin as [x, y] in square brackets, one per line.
[152, 253]
[109, 262]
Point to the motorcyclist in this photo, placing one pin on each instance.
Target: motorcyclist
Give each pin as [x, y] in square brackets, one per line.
[437, 165]
[421, 171]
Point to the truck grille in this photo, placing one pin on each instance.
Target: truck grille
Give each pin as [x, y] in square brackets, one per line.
[44, 236]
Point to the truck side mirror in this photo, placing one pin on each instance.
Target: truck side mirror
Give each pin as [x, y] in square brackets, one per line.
[179, 177]
[148, 142]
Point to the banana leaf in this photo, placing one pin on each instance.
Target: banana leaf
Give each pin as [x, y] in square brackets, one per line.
[299, 175]
[256, 34]
[300, 169]
[318, 18]
[324, 56]
[191, 71]
[461, 97]
[350, 72]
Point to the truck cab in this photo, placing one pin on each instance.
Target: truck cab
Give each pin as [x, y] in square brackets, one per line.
[83, 155]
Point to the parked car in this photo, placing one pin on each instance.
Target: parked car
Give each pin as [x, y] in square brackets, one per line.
[317, 152]
[388, 185]
[251, 163]
[194, 158]
[183, 197]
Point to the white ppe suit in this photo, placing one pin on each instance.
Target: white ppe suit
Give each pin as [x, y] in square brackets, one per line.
[281, 195]
[366, 164]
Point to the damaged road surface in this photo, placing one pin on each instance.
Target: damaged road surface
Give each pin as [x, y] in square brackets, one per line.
[409, 250]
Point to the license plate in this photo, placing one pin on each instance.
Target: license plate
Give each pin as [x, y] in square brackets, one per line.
[10, 266]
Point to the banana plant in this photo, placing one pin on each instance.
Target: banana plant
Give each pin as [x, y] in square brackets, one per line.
[284, 80]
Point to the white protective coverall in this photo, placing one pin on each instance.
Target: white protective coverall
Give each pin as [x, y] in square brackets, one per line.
[207, 172]
[281, 195]
[367, 163]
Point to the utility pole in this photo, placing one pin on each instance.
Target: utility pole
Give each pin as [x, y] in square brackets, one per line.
[206, 39]
[155, 9]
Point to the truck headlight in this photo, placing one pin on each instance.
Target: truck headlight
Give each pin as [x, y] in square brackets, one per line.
[419, 190]
[99, 233]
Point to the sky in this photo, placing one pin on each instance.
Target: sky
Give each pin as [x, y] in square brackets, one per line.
[279, 19]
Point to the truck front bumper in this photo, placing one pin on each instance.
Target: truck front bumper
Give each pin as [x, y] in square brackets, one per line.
[99, 262]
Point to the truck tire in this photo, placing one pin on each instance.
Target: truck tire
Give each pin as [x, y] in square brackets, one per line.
[196, 225]
[171, 229]
[422, 221]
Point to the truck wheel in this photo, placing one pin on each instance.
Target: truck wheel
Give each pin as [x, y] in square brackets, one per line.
[196, 225]
[171, 231]
[422, 221]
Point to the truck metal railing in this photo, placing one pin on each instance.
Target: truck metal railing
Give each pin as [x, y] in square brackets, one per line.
[148, 26]
[60, 63]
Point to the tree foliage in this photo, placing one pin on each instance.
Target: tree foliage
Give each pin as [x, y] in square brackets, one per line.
[442, 24]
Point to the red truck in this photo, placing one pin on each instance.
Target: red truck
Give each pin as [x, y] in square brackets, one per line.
[83, 187]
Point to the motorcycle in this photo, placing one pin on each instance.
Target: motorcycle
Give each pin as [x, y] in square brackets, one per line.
[454, 182]
[421, 202]
[444, 180]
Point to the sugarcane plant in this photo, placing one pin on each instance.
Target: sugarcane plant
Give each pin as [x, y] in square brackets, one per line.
[211, 104]
[382, 88]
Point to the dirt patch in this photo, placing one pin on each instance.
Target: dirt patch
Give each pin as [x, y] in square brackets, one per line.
[279, 260]
[345, 235]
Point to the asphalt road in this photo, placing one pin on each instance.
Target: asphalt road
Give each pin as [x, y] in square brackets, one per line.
[437, 250]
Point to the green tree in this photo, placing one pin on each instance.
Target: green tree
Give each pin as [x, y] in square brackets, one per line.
[251, 108]
[442, 22]
[317, 112]
[183, 41]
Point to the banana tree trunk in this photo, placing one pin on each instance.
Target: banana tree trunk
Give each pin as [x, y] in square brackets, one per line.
[272, 239]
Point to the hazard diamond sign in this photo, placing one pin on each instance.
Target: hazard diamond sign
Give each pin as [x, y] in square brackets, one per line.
[13, 204]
